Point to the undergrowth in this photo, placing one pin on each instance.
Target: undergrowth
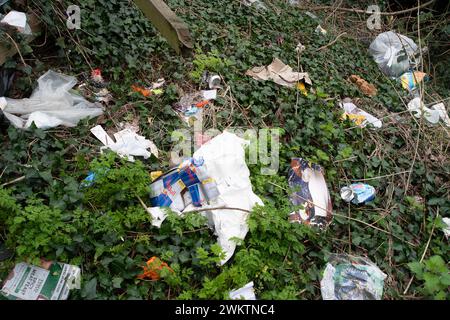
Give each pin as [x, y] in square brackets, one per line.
[103, 227]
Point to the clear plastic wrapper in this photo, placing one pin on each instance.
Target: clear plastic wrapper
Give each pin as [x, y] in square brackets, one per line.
[51, 104]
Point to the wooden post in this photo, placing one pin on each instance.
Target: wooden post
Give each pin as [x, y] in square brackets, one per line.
[168, 24]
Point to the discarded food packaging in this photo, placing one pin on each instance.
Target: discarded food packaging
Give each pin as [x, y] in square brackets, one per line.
[348, 277]
[313, 194]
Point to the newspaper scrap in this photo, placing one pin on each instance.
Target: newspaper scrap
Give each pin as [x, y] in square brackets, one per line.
[279, 73]
[51, 281]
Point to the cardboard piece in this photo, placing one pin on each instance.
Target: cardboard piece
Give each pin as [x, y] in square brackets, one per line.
[279, 73]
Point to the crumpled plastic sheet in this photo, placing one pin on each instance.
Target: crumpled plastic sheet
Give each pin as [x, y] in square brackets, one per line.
[432, 114]
[127, 145]
[224, 161]
[348, 277]
[279, 73]
[189, 109]
[393, 52]
[247, 292]
[361, 118]
[50, 105]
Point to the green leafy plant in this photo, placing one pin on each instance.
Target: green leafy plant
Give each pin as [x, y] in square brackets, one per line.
[36, 231]
[104, 228]
[435, 274]
[116, 183]
[212, 62]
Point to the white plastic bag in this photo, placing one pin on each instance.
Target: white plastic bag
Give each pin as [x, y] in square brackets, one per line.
[50, 105]
[433, 114]
[224, 161]
[393, 52]
[224, 158]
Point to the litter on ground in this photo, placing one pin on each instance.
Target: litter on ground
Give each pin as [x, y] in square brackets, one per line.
[17, 20]
[127, 144]
[365, 87]
[202, 214]
[223, 167]
[359, 116]
[279, 73]
[394, 53]
[432, 114]
[50, 105]
[50, 281]
[351, 278]
[245, 293]
[313, 194]
[358, 193]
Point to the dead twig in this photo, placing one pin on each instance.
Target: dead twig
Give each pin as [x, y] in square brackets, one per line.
[332, 42]
[380, 177]
[17, 48]
[368, 12]
[12, 181]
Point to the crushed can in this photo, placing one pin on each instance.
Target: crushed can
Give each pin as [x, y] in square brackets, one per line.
[188, 183]
[358, 193]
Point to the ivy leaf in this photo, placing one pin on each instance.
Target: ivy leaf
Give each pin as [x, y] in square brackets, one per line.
[46, 175]
[116, 282]
[89, 291]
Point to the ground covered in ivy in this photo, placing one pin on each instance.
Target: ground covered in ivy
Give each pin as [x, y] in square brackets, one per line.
[105, 230]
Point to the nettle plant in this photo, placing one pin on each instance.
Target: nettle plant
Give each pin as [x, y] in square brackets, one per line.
[435, 274]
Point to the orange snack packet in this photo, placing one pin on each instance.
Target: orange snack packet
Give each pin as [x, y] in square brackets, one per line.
[141, 90]
[153, 268]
